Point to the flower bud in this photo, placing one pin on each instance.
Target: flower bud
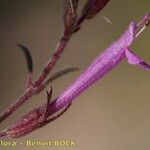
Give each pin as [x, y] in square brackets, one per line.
[92, 7]
[70, 16]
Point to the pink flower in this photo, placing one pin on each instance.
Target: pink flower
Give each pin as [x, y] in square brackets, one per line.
[104, 62]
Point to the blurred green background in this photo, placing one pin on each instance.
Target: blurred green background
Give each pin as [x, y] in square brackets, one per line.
[114, 114]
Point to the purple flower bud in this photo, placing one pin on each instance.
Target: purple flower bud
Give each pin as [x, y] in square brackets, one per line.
[90, 9]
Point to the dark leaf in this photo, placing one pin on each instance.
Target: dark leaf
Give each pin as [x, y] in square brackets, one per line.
[60, 73]
[28, 57]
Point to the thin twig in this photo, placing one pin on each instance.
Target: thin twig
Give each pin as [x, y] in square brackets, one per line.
[70, 27]
[70, 19]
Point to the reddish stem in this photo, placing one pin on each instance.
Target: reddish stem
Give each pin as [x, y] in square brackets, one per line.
[16, 104]
[33, 89]
[59, 50]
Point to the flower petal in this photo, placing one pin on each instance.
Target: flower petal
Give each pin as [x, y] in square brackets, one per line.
[136, 60]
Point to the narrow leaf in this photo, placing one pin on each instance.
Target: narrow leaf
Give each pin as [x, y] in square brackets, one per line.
[28, 57]
[60, 73]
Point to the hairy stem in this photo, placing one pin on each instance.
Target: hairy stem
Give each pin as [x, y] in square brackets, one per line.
[16, 104]
[33, 89]
[59, 50]
[70, 26]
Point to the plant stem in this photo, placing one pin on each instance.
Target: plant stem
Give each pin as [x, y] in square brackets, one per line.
[59, 50]
[33, 89]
